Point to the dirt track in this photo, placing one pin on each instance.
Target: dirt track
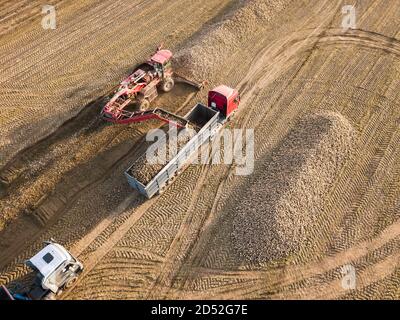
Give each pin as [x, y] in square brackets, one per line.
[290, 60]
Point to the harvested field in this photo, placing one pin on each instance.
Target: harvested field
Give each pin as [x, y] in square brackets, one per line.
[323, 103]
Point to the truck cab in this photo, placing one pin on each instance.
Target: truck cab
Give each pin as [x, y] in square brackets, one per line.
[56, 269]
[224, 99]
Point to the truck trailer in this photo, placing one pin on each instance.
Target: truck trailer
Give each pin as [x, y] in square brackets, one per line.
[223, 101]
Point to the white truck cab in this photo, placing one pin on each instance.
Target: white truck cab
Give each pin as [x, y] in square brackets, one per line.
[56, 269]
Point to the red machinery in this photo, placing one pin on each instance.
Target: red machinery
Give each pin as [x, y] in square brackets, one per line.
[141, 87]
[224, 99]
[207, 121]
[125, 117]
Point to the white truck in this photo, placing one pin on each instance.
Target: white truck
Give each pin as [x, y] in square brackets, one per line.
[56, 270]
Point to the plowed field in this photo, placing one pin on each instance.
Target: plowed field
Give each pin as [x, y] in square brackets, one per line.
[324, 106]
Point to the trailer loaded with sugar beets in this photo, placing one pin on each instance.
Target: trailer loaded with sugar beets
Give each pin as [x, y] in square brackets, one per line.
[207, 121]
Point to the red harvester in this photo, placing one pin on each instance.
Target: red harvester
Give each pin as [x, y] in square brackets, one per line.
[141, 87]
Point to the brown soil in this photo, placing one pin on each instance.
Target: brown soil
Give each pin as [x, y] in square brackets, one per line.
[62, 167]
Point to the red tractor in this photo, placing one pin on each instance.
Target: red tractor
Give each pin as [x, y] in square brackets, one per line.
[141, 87]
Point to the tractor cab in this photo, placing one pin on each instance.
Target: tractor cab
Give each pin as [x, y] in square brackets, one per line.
[161, 61]
[224, 99]
[55, 269]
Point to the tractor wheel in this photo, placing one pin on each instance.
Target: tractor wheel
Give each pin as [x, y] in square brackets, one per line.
[70, 282]
[167, 84]
[144, 104]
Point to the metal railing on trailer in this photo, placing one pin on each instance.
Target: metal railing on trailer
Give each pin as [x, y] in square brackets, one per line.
[183, 157]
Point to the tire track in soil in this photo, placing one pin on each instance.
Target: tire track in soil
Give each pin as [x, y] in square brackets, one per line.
[71, 38]
[246, 93]
[250, 284]
[92, 258]
[31, 232]
[191, 26]
[170, 277]
[173, 258]
[236, 119]
[302, 272]
[250, 290]
[137, 150]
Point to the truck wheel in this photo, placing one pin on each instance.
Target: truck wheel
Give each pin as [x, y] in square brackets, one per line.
[144, 104]
[167, 84]
[70, 282]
